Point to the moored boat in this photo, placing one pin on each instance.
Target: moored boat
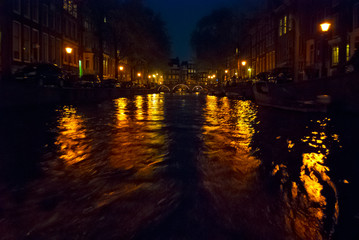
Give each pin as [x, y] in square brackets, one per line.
[318, 95]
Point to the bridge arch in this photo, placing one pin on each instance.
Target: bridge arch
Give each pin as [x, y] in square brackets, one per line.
[198, 87]
[163, 86]
[180, 85]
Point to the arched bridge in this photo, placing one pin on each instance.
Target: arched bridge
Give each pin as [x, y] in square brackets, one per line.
[185, 87]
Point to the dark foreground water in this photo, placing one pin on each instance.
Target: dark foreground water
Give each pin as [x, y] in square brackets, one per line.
[177, 167]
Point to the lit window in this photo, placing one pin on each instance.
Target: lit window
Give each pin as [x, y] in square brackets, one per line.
[280, 27]
[348, 52]
[285, 25]
[16, 41]
[335, 55]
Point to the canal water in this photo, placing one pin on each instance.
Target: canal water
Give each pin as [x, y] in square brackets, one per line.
[177, 167]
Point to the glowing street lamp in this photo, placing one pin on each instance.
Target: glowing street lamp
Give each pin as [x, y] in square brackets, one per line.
[149, 76]
[138, 74]
[226, 71]
[244, 63]
[121, 68]
[68, 50]
[325, 26]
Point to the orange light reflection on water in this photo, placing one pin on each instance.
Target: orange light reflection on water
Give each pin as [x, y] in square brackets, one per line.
[305, 214]
[72, 136]
[137, 145]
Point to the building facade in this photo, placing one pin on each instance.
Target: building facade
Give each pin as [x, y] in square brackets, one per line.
[51, 31]
[287, 35]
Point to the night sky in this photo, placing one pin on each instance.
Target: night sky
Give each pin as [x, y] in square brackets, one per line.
[181, 17]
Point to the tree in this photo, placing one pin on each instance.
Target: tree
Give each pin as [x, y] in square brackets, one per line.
[139, 35]
[134, 31]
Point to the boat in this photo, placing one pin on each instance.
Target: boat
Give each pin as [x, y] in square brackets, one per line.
[317, 95]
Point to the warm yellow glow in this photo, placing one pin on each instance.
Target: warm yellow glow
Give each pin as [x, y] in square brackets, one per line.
[244, 63]
[138, 74]
[325, 26]
[68, 50]
[226, 71]
[153, 75]
[139, 108]
[136, 138]
[209, 76]
[249, 69]
[72, 137]
[149, 76]
[121, 68]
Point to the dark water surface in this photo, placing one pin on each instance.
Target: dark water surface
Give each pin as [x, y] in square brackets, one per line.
[177, 167]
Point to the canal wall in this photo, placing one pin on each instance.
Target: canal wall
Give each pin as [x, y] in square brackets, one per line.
[11, 97]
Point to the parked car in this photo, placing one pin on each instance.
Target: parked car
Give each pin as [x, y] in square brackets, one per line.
[43, 74]
[281, 75]
[110, 83]
[88, 81]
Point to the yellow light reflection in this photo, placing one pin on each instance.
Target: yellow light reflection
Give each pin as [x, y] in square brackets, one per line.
[137, 145]
[72, 136]
[139, 106]
[231, 122]
[121, 104]
[306, 210]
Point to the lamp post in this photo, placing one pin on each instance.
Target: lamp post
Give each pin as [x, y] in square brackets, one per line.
[324, 27]
[244, 63]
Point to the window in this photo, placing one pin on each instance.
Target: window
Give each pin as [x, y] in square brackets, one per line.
[0, 49]
[45, 15]
[27, 11]
[347, 52]
[26, 42]
[58, 51]
[87, 63]
[45, 47]
[35, 10]
[356, 16]
[58, 22]
[16, 43]
[70, 7]
[16, 6]
[280, 27]
[35, 46]
[311, 56]
[52, 19]
[52, 56]
[290, 23]
[285, 21]
[335, 55]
